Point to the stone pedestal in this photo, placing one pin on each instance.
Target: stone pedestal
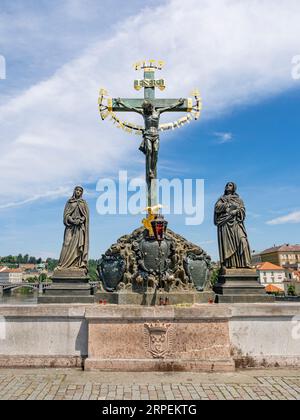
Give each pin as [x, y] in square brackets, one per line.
[141, 339]
[154, 298]
[240, 285]
[68, 286]
[140, 270]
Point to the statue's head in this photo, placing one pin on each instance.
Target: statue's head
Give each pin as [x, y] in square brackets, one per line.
[147, 107]
[230, 188]
[77, 193]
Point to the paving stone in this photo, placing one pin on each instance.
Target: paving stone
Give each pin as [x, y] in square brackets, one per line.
[48, 384]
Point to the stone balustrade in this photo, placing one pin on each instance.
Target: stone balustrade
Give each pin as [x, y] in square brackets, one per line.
[201, 337]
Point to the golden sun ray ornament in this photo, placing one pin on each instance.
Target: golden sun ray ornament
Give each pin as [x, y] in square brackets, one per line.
[108, 108]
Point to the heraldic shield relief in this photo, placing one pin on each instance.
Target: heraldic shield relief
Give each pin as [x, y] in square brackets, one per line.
[159, 339]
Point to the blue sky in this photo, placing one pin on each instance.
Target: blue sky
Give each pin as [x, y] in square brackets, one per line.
[59, 54]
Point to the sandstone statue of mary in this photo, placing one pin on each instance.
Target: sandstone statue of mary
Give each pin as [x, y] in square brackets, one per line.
[229, 217]
[74, 253]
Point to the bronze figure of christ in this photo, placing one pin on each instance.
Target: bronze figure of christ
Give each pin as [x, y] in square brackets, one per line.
[150, 143]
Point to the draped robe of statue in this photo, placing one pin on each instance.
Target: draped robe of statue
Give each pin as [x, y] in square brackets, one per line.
[74, 252]
[232, 237]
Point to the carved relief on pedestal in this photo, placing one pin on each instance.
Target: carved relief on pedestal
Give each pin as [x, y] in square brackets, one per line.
[139, 263]
[158, 339]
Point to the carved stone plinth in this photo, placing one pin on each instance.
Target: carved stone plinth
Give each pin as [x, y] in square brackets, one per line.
[140, 270]
[240, 285]
[135, 338]
[68, 286]
[151, 298]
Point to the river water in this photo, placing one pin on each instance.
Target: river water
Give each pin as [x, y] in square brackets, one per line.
[18, 299]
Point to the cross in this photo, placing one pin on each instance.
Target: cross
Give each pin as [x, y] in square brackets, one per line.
[149, 84]
[150, 108]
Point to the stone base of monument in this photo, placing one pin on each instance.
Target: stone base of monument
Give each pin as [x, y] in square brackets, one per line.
[141, 339]
[139, 270]
[154, 298]
[68, 286]
[240, 286]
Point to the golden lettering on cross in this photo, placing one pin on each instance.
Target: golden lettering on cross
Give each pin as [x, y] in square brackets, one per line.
[147, 83]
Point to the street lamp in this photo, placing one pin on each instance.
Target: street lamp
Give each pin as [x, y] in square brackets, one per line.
[159, 227]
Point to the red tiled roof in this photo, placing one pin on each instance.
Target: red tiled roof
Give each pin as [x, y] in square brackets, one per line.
[271, 288]
[27, 265]
[269, 266]
[11, 270]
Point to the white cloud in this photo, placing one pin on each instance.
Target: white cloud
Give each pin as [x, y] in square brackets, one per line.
[293, 217]
[224, 137]
[2, 68]
[60, 192]
[235, 52]
[207, 242]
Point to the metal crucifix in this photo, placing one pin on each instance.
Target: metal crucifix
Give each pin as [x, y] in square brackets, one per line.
[150, 108]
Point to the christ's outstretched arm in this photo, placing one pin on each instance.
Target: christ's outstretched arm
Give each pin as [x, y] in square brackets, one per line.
[120, 103]
[168, 108]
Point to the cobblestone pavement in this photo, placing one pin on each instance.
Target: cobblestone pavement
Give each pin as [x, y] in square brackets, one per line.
[63, 384]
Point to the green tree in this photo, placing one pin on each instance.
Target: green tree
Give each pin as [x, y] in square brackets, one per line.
[42, 277]
[291, 290]
[33, 279]
[93, 270]
[214, 276]
[51, 264]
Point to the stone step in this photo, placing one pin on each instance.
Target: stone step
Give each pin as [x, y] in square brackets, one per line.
[66, 299]
[151, 298]
[225, 290]
[63, 289]
[246, 298]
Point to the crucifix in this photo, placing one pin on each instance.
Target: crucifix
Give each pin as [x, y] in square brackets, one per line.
[150, 108]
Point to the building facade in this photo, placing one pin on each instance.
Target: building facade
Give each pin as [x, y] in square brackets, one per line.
[287, 256]
[255, 259]
[271, 274]
[11, 275]
[292, 279]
